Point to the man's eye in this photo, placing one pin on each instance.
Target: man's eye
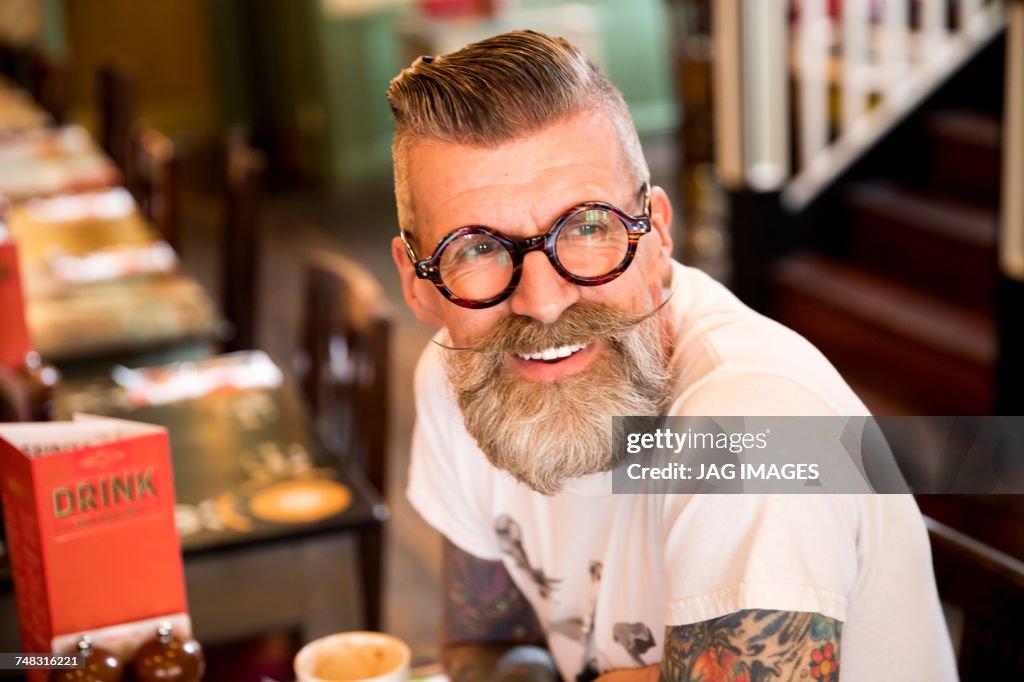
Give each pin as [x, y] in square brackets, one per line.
[587, 230]
[479, 250]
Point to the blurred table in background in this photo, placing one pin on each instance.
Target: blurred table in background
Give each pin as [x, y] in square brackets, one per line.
[258, 499]
[99, 282]
[49, 161]
[100, 285]
[121, 318]
[18, 112]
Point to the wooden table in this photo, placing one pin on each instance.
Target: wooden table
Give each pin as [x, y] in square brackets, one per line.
[99, 282]
[87, 256]
[263, 512]
[18, 113]
[49, 161]
[120, 318]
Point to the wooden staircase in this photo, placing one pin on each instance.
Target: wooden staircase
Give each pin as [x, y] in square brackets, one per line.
[903, 300]
[903, 303]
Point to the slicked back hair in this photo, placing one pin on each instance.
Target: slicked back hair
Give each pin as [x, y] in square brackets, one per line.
[496, 91]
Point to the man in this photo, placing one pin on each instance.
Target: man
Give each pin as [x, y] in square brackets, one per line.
[531, 235]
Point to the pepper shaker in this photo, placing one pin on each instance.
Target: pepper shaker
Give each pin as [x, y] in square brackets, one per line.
[168, 658]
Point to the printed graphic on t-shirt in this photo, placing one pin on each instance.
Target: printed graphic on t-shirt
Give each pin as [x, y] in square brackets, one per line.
[636, 638]
[580, 628]
[510, 541]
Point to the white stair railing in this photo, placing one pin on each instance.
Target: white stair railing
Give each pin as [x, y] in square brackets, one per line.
[1011, 240]
[815, 39]
[879, 64]
[856, 63]
[895, 36]
[766, 34]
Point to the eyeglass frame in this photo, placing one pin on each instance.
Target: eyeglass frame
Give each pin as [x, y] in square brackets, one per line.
[636, 227]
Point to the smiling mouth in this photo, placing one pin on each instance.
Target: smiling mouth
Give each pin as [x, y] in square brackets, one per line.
[553, 354]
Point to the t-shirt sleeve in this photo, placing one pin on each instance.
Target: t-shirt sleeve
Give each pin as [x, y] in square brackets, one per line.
[447, 484]
[728, 553]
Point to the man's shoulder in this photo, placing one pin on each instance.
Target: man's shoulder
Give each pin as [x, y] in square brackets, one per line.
[733, 360]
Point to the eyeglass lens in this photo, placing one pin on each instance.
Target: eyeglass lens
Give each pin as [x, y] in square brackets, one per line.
[591, 244]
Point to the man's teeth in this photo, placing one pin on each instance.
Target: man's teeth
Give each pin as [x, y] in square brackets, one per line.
[554, 353]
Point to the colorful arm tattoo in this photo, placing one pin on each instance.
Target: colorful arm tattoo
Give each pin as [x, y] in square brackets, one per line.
[484, 616]
[754, 646]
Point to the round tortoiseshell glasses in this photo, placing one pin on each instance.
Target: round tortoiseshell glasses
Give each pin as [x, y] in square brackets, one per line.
[590, 244]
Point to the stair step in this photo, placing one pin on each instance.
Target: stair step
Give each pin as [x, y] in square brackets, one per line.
[915, 349]
[996, 520]
[966, 153]
[926, 240]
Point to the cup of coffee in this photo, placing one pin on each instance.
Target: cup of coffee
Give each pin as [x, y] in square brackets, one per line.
[354, 657]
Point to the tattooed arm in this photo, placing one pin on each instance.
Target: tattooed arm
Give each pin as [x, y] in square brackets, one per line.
[754, 646]
[485, 616]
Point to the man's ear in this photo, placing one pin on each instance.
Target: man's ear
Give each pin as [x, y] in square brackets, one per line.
[423, 303]
[661, 217]
[661, 225]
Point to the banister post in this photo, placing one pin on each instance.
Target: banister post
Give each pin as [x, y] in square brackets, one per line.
[752, 128]
[1010, 376]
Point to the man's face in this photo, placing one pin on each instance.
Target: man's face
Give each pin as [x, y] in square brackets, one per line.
[520, 189]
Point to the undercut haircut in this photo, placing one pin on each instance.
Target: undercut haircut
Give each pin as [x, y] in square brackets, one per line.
[499, 90]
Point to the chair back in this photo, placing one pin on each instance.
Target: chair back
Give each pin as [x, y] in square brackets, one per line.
[152, 179]
[117, 114]
[51, 84]
[15, 400]
[245, 170]
[344, 370]
[987, 587]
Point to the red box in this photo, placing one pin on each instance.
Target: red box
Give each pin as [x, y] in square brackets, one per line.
[15, 342]
[89, 511]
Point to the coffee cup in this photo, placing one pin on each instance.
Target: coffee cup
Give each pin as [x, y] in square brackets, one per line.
[354, 657]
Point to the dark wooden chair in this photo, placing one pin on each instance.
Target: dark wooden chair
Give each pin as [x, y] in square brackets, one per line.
[27, 392]
[344, 374]
[50, 80]
[10, 62]
[152, 178]
[15, 400]
[987, 587]
[245, 171]
[117, 114]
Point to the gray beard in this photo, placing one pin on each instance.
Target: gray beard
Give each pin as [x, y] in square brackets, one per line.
[546, 433]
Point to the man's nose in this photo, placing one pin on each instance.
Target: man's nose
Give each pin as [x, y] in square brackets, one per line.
[542, 293]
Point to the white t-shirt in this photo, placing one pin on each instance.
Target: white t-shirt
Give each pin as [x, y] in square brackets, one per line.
[606, 573]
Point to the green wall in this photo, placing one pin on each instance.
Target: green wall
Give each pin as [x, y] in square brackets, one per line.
[320, 79]
[361, 56]
[636, 55]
